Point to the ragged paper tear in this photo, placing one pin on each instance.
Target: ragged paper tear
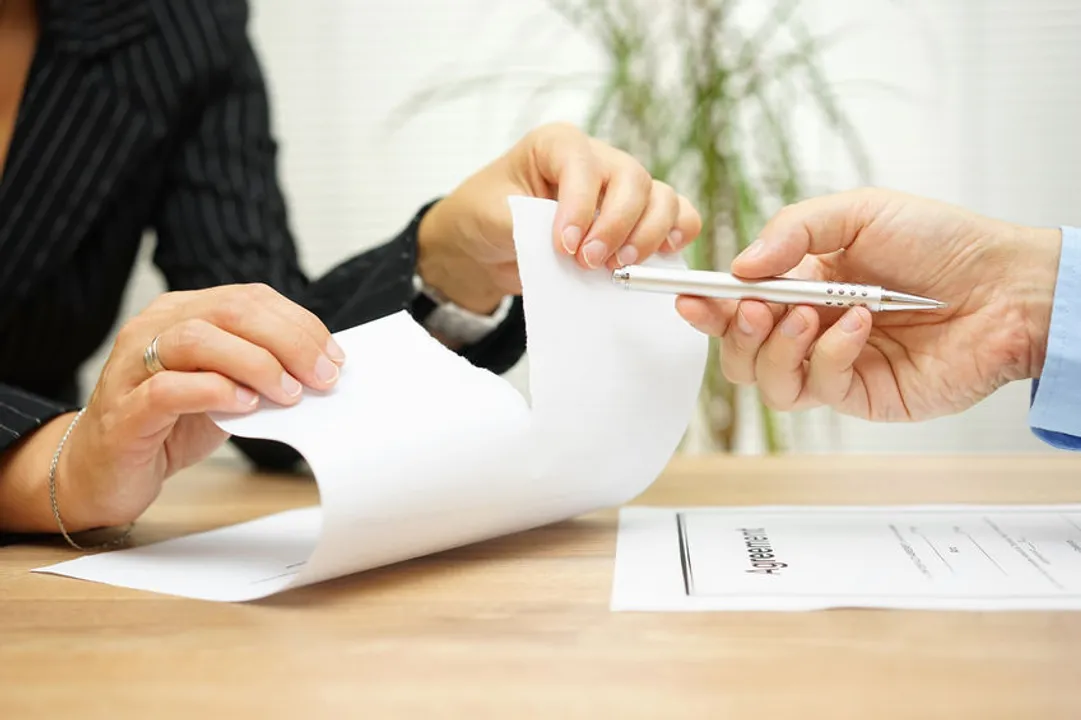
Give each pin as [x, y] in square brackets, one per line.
[416, 451]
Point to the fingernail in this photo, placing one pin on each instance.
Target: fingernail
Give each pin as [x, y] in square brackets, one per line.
[325, 371]
[290, 385]
[627, 255]
[334, 350]
[742, 323]
[572, 238]
[594, 253]
[794, 325]
[753, 250]
[246, 397]
[675, 239]
[851, 322]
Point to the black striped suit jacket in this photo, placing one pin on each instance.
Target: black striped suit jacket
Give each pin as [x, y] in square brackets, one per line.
[153, 114]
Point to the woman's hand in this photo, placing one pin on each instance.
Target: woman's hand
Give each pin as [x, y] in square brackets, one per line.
[222, 350]
[998, 279]
[611, 212]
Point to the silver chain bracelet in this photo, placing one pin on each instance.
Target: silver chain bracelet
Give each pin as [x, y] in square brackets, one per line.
[52, 493]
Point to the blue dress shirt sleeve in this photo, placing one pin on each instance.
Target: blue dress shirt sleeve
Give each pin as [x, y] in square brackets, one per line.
[1055, 416]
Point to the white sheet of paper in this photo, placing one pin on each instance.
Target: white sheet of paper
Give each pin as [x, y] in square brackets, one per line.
[417, 451]
[953, 557]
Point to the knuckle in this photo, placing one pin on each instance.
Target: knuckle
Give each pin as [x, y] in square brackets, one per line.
[306, 317]
[548, 134]
[165, 300]
[159, 391]
[167, 303]
[745, 345]
[640, 177]
[558, 128]
[770, 364]
[218, 392]
[772, 385]
[293, 350]
[315, 328]
[786, 213]
[231, 310]
[130, 333]
[190, 334]
[667, 195]
[717, 325]
[735, 366]
[865, 194]
[265, 364]
[772, 401]
[831, 357]
[689, 214]
[711, 326]
[734, 374]
[302, 350]
[823, 391]
[259, 292]
[324, 331]
[866, 202]
[664, 192]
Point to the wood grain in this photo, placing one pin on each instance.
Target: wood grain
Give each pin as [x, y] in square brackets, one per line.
[519, 627]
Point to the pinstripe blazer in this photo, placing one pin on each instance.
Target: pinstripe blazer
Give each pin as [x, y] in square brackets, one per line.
[153, 114]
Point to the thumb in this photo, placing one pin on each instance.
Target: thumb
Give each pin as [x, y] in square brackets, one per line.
[817, 226]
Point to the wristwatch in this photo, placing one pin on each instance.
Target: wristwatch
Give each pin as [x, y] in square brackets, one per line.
[442, 317]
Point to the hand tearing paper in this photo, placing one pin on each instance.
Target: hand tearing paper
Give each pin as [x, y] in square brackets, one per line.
[417, 451]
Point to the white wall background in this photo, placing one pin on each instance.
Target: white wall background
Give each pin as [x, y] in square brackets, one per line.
[983, 113]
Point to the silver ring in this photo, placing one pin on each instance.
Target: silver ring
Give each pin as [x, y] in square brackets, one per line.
[151, 359]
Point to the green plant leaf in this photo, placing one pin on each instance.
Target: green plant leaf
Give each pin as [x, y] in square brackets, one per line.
[707, 104]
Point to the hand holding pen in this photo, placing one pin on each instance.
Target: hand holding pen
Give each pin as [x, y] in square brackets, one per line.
[983, 290]
[725, 286]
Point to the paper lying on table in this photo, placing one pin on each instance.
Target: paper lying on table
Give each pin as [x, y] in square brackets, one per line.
[808, 558]
[417, 451]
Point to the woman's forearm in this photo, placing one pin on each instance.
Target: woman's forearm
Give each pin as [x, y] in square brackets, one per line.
[25, 506]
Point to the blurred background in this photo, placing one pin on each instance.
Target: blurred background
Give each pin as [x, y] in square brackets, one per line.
[969, 101]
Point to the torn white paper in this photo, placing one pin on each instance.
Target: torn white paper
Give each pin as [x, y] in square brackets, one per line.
[417, 451]
[953, 557]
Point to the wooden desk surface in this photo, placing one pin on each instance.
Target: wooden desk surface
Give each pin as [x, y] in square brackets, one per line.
[520, 626]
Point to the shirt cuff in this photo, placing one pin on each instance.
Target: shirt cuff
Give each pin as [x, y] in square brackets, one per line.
[1055, 415]
[461, 326]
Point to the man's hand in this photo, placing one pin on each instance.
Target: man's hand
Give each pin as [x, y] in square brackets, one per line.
[611, 212]
[998, 279]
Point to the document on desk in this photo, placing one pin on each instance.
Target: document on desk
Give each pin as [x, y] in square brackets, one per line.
[809, 558]
[417, 451]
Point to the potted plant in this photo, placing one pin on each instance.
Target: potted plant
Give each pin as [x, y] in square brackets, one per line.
[706, 99]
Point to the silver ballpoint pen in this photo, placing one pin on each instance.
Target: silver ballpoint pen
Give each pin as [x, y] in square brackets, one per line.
[703, 283]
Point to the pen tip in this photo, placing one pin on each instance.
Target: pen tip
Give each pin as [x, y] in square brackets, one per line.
[892, 300]
[620, 275]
